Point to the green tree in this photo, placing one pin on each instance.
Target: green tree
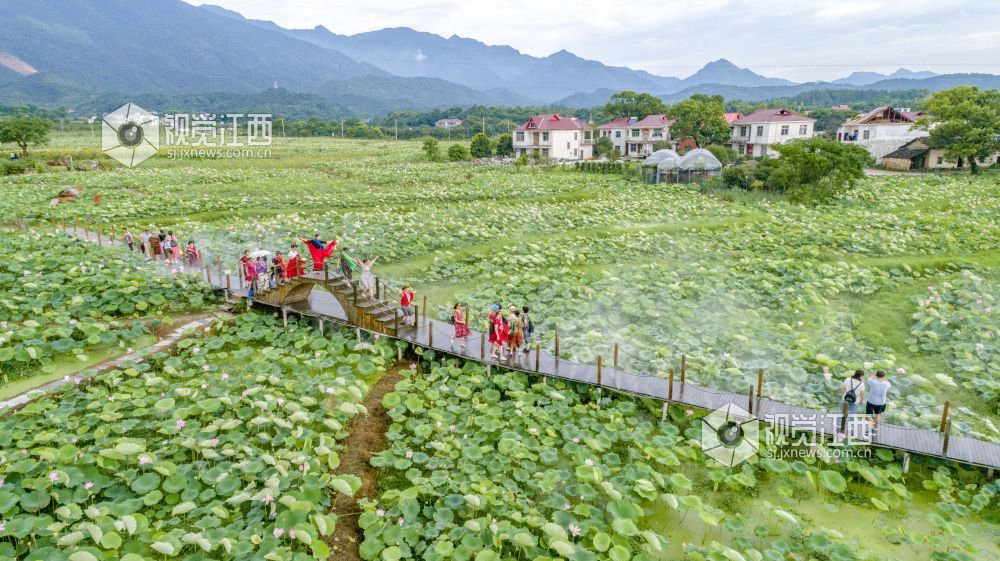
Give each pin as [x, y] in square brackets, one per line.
[722, 153]
[481, 146]
[432, 149]
[505, 146]
[816, 169]
[604, 147]
[458, 152]
[632, 104]
[702, 118]
[965, 122]
[25, 131]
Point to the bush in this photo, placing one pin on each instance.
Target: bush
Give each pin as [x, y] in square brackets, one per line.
[432, 149]
[738, 177]
[521, 161]
[15, 167]
[723, 154]
[604, 147]
[815, 169]
[662, 145]
[457, 152]
[505, 146]
[481, 147]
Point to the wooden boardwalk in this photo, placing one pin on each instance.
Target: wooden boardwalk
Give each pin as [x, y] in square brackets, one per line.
[343, 303]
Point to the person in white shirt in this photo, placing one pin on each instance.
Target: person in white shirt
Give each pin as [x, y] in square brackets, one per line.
[878, 397]
[853, 391]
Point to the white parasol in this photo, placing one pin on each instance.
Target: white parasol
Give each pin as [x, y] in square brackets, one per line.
[260, 253]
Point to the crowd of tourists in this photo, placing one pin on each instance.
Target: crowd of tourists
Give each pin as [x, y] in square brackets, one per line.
[164, 246]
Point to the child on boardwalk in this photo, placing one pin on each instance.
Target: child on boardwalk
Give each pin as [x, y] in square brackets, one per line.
[491, 327]
[529, 329]
[461, 328]
[406, 305]
[192, 256]
[516, 332]
[503, 332]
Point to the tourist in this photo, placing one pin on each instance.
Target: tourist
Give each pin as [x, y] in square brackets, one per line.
[515, 335]
[144, 242]
[175, 246]
[245, 268]
[529, 329]
[277, 270]
[162, 247]
[192, 256]
[503, 331]
[346, 263]
[129, 240]
[461, 327]
[491, 326]
[406, 305]
[154, 247]
[319, 251]
[878, 396]
[367, 278]
[853, 391]
[260, 269]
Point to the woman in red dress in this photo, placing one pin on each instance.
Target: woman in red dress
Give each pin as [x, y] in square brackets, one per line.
[503, 331]
[461, 328]
[491, 326]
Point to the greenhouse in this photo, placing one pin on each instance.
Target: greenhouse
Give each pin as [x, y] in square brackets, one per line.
[696, 166]
[658, 161]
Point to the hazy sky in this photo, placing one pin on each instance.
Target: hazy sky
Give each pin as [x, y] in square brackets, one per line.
[795, 39]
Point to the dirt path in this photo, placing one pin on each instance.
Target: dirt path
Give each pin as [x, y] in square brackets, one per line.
[365, 439]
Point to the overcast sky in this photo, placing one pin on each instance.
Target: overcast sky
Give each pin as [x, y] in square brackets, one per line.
[796, 39]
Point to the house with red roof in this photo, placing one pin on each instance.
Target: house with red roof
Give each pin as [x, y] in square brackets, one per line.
[754, 134]
[881, 130]
[554, 136]
[617, 131]
[644, 133]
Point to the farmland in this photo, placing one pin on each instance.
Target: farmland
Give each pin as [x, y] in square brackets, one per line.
[901, 274]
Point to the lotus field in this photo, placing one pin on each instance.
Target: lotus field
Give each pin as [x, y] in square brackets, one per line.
[229, 446]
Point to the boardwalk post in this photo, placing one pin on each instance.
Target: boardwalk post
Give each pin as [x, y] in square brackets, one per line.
[395, 323]
[684, 359]
[218, 264]
[557, 349]
[320, 326]
[284, 316]
[76, 222]
[843, 419]
[538, 353]
[760, 381]
[670, 387]
[947, 436]
[378, 283]
[424, 309]
[229, 281]
[112, 240]
[354, 298]
[944, 415]
[750, 400]
[208, 274]
[430, 335]
[482, 347]
[906, 462]
[616, 356]
[466, 315]
[100, 241]
[326, 273]
[598, 370]
[239, 278]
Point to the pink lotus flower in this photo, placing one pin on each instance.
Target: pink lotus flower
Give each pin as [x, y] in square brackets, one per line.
[576, 440]
[278, 532]
[143, 460]
[689, 412]
[204, 386]
[205, 367]
[54, 476]
[267, 498]
[88, 485]
[380, 512]
[214, 442]
[901, 370]
[291, 533]
[567, 506]
[281, 401]
[588, 462]
[1, 482]
[980, 346]
[180, 423]
[413, 366]
[409, 454]
[225, 376]
[575, 530]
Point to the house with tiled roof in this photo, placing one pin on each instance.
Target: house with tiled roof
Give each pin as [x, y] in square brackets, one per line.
[643, 133]
[754, 135]
[554, 136]
[919, 154]
[617, 131]
[881, 130]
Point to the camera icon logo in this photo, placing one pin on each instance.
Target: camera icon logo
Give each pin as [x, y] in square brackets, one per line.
[130, 134]
[730, 435]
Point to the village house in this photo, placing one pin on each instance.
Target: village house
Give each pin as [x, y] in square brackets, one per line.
[881, 130]
[754, 134]
[644, 133]
[554, 136]
[917, 154]
[447, 123]
[617, 131]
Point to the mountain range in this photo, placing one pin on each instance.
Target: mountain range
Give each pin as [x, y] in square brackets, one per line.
[77, 53]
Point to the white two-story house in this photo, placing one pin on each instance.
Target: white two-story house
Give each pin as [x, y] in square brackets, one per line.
[881, 130]
[642, 134]
[754, 134]
[554, 136]
[617, 131]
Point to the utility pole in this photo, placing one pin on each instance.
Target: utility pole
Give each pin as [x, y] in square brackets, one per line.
[341, 128]
[484, 125]
[282, 127]
[395, 128]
